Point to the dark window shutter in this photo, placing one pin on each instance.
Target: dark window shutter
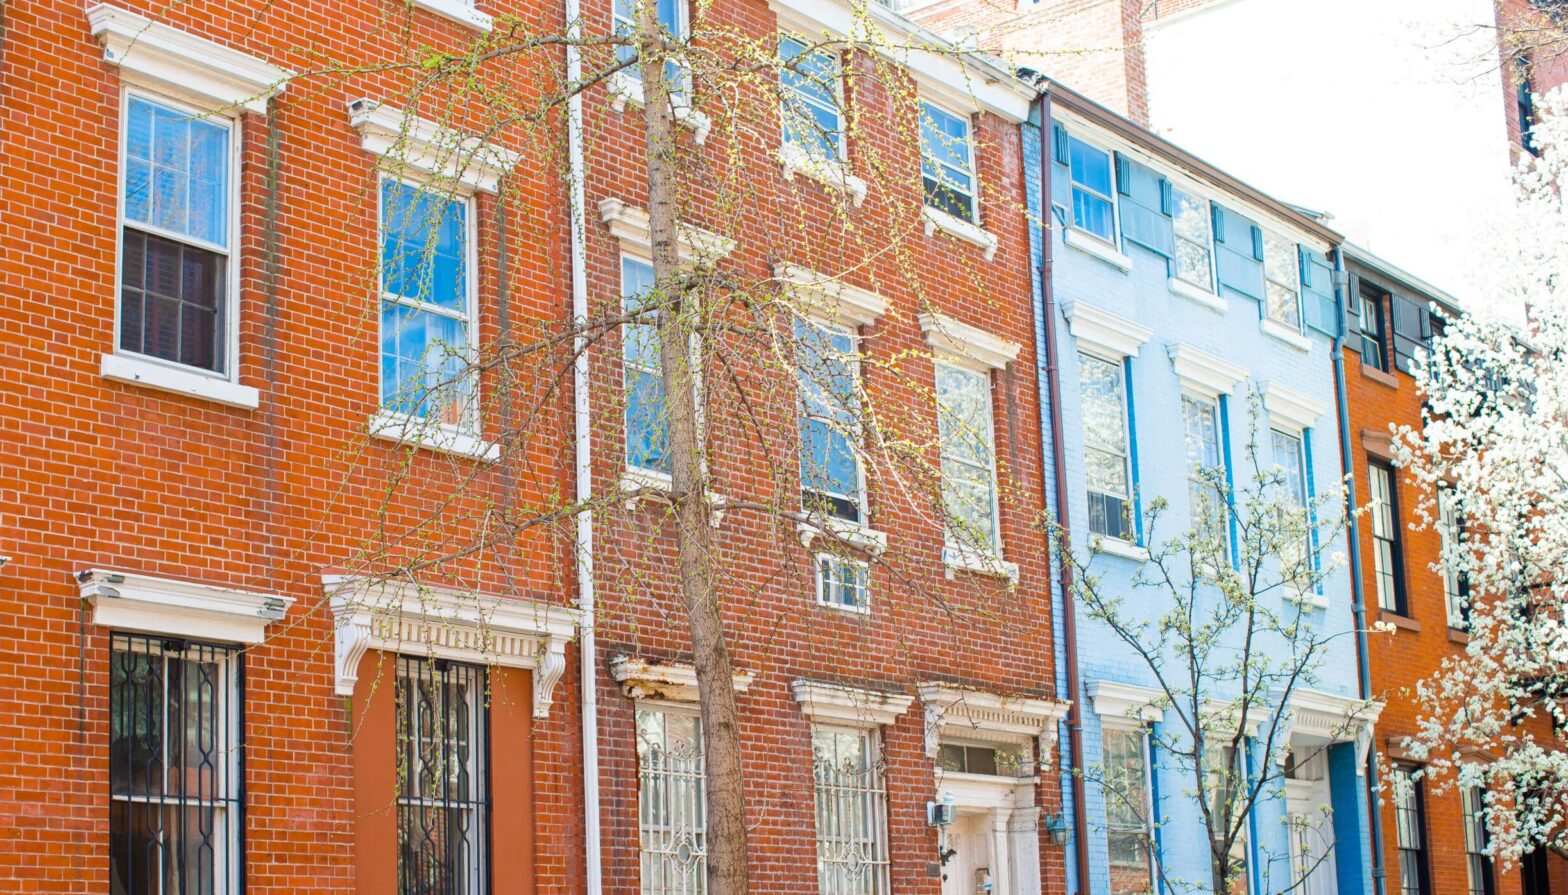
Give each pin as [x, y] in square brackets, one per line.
[1123, 176]
[1059, 144]
[1408, 327]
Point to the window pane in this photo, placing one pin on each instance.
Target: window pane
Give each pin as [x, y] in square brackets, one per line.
[647, 426]
[1106, 453]
[1092, 213]
[671, 811]
[1091, 167]
[1125, 779]
[967, 451]
[177, 171]
[425, 354]
[946, 162]
[172, 300]
[423, 247]
[810, 82]
[851, 814]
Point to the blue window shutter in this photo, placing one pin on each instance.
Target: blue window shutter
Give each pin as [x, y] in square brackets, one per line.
[1143, 222]
[1218, 215]
[1237, 259]
[1320, 305]
[1257, 242]
[1167, 202]
[1059, 144]
[1122, 176]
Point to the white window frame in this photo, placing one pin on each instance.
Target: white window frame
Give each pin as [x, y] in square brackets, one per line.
[1283, 244]
[462, 438]
[853, 362]
[983, 377]
[1120, 364]
[626, 439]
[969, 155]
[862, 570]
[634, 73]
[841, 155]
[1303, 496]
[1114, 239]
[1208, 287]
[684, 709]
[875, 794]
[1450, 529]
[1125, 726]
[135, 367]
[1193, 478]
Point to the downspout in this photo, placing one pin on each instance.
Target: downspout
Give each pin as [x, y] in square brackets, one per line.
[582, 438]
[1053, 384]
[1358, 595]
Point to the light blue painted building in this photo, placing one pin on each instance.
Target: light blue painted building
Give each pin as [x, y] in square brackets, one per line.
[1177, 293]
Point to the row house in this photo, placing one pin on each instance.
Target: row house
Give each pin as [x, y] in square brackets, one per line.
[1195, 316]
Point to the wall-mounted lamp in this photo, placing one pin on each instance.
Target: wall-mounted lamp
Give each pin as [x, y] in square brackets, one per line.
[1056, 825]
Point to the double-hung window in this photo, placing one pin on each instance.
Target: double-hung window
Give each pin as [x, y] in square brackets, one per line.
[672, 18]
[812, 119]
[1205, 471]
[1127, 809]
[851, 811]
[1227, 787]
[647, 426]
[968, 455]
[1374, 331]
[1191, 222]
[1410, 832]
[947, 166]
[443, 778]
[1092, 188]
[1107, 448]
[671, 808]
[1456, 582]
[1295, 526]
[828, 369]
[174, 767]
[1477, 861]
[177, 235]
[1387, 556]
[427, 305]
[1282, 282]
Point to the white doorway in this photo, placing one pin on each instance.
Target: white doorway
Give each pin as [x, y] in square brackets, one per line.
[1310, 816]
[969, 871]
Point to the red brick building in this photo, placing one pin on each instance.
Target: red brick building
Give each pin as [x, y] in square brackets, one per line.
[214, 679]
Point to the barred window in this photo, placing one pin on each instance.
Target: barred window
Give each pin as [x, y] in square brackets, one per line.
[672, 818]
[443, 800]
[174, 767]
[851, 812]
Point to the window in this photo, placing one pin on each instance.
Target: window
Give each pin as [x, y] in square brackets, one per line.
[175, 772]
[177, 239]
[1410, 830]
[1090, 170]
[1524, 104]
[672, 17]
[1295, 555]
[1107, 455]
[1387, 558]
[1374, 331]
[1227, 795]
[443, 778]
[851, 812]
[842, 582]
[968, 458]
[426, 305]
[671, 793]
[827, 365]
[647, 428]
[947, 165]
[812, 120]
[1205, 462]
[1281, 274]
[1456, 583]
[1190, 220]
[1477, 861]
[1126, 770]
[991, 760]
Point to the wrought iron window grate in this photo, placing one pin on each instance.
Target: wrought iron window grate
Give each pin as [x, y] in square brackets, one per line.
[443, 801]
[852, 855]
[672, 815]
[175, 767]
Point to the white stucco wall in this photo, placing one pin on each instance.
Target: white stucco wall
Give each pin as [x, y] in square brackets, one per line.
[1389, 114]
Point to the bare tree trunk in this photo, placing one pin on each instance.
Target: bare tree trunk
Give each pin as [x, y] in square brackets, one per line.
[679, 324]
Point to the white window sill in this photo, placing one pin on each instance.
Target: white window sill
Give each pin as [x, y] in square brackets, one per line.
[958, 228]
[854, 534]
[1118, 547]
[852, 610]
[626, 90]
[1096, 247]
[967, 559]
[419, 433]
[638, 485]
[1284, 333]
[459, 12]
[169, 378]
[1197, 294]
[828, 172]
[1306, 597]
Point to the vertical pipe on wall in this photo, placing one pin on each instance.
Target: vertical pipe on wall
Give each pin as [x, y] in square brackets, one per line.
[582, 439]
[1358, 595]
[1047, 332]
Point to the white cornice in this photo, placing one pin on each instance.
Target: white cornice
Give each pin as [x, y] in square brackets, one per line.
[1296, 410]
[667, 681]
[406, 141]
[629, 224]
[1101, 332]
[833, 300]
[399, 617]
[1128, 704]
[194, 67]
[835, 703]
[1332, 717]
[130, 602]
[965, 344]
[994, 717]
[1204, 373]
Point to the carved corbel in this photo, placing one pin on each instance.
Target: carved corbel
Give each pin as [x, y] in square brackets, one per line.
[550, 664]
